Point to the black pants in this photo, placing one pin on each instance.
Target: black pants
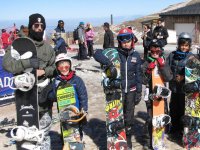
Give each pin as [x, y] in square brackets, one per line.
[90, 48]
[129, 107]
[177, 110]
[82, 54]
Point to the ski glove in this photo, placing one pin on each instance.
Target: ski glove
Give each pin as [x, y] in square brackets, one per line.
[34, 63]
[150, 67]
[111, 72]
[138, 98]
[161, 62]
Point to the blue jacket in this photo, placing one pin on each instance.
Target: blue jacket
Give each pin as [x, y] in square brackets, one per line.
[130, 69]
[80, 88]
[177, 61]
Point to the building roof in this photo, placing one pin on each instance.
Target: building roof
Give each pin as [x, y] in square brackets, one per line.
[191, 8]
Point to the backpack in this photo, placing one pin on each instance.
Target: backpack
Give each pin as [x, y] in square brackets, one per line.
[75, 34]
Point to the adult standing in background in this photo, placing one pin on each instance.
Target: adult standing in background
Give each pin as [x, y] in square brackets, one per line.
[160, 32]
[146, 37]
[89, 35]
[82, 54]
[108, 36]
[60, 27]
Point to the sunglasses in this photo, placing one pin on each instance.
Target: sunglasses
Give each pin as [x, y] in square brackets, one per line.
[36, 25]
[155, 52]
[63, 68]
[124, 38]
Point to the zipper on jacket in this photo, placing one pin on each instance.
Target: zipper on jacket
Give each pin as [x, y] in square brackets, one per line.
[126, 76]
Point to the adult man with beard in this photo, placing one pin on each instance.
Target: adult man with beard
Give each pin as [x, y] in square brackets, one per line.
[44, 63]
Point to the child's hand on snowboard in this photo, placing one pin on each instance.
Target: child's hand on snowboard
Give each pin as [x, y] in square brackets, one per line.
[150, 67]
[161, 62]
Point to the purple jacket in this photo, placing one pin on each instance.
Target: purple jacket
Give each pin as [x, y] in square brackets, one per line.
[89, 35]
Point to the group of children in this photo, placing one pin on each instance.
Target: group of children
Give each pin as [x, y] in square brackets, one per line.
[134, 72]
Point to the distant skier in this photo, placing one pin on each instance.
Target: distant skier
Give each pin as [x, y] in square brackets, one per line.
[60, 27]
[89, 35]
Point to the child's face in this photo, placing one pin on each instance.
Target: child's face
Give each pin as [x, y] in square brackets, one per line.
[63, 67]
[155, 52]
[185, 47]
[126, 44]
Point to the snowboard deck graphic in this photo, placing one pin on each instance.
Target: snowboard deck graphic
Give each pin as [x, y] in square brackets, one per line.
[191, 121]
[114, 108]
[26, 102]
[66, 97]
[158, 134]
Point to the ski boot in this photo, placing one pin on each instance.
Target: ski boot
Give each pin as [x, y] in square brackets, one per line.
[161, 91]
[161, 120]
[115, 126]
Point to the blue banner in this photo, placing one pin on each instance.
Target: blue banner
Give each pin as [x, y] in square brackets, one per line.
[5, 91]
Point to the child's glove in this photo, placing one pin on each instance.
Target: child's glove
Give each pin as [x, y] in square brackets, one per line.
[161, 62]
[150, 67]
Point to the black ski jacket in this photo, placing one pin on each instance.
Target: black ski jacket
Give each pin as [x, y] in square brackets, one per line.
[108, 39]
[130, 69]
[177, 63]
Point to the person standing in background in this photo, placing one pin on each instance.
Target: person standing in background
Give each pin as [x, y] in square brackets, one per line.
[146, 37]
[108, 36]
[89, 35]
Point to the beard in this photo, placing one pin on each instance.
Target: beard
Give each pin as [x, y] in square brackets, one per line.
[37, 36]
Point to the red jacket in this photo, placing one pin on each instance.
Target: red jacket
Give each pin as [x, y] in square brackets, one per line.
[5, 38]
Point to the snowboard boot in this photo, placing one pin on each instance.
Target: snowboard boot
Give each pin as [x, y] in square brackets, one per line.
[161, 91]
[161, 120]
[154, 97]
[116, 126]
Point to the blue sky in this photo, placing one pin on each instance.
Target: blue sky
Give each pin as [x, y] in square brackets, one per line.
[62, 9]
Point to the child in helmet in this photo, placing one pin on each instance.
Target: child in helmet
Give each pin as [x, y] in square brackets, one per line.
[131, 77]
[66, 74]
[177, 61]
[155, 56]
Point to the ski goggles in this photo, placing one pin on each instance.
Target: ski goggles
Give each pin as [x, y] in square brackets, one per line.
[124, 37]
[63, 68]
[155, 52]
[36, 25]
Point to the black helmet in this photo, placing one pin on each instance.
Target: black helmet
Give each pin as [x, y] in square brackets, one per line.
[183, 37]
[155, 43]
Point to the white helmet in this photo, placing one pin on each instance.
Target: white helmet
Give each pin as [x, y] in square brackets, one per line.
[63, 56]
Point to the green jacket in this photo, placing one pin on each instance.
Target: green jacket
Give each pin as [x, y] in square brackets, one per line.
[46, 56]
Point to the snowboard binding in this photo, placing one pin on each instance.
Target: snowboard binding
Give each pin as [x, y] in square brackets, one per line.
[115, 126]
[21, 133]
[23, 82]
[190, 122]
[161, 91]
[161, 120]
[72, 115]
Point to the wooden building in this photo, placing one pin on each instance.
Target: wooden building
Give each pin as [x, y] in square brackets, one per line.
[184, 19]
